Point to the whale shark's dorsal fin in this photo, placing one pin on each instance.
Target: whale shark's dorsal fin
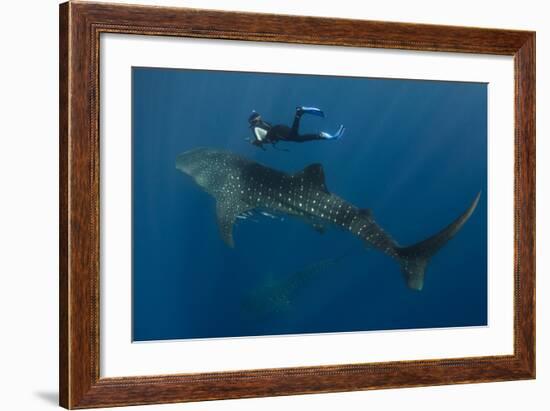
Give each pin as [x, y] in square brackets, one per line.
[227, 210]
[313, 175]
[365, 212]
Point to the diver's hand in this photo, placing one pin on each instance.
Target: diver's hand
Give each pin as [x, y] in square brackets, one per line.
[257, 143]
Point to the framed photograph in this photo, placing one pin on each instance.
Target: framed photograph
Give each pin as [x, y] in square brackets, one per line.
[258, 205]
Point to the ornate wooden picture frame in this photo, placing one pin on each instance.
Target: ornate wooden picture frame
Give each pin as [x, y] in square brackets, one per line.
[81, 24]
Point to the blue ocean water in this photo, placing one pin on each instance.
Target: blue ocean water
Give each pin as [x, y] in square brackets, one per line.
[414, 152]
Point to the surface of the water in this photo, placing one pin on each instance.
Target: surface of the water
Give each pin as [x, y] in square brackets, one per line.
[414, 152]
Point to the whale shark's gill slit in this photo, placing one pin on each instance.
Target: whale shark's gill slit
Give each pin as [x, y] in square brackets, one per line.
[271, 216]
[251, 214]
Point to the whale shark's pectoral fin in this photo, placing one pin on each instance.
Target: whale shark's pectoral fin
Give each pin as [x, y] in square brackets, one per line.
[313, 176]
[227, 211]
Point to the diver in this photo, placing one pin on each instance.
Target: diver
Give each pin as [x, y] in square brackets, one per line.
[265, 133]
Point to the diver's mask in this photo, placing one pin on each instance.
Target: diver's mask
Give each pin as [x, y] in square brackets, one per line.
[254, 118]
[259, 128]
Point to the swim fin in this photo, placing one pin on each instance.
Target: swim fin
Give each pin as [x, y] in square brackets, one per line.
[339, 133]
[310, 110]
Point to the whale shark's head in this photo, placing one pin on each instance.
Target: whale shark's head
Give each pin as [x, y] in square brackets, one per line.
[208, 167]
[192, 161]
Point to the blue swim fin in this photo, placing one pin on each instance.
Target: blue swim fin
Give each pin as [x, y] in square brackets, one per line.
[310, 110]
[339, 133]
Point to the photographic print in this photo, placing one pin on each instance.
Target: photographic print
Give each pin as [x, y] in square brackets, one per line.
[264, 210]
[279, 204]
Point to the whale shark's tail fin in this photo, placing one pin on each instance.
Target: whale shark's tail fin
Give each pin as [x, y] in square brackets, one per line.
[415, 258]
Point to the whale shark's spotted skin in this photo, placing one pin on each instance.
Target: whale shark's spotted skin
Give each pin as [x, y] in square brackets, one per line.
[240, 185]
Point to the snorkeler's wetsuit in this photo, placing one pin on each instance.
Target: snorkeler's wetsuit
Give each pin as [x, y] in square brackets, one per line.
[265, 133]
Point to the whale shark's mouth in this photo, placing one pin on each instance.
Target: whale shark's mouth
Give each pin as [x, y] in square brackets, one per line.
[182, 162]
[192, 160]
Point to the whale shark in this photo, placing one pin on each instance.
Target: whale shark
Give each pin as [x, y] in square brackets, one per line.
[239, 185]
[275, 296]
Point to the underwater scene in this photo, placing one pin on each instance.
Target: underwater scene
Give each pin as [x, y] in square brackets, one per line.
[275, 204]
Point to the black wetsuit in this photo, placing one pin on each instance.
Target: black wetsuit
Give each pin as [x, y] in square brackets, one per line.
[265, 133]
[282, 132]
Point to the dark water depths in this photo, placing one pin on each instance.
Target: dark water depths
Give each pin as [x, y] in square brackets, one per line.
[415, 152]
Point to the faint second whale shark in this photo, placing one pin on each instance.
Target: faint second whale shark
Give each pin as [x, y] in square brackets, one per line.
[239, 185]
[277, 296]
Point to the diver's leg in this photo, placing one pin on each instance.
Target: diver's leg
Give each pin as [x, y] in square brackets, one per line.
[310, 110]
[300, 138]
[323, 135]
[298, 115]
[296, 123]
